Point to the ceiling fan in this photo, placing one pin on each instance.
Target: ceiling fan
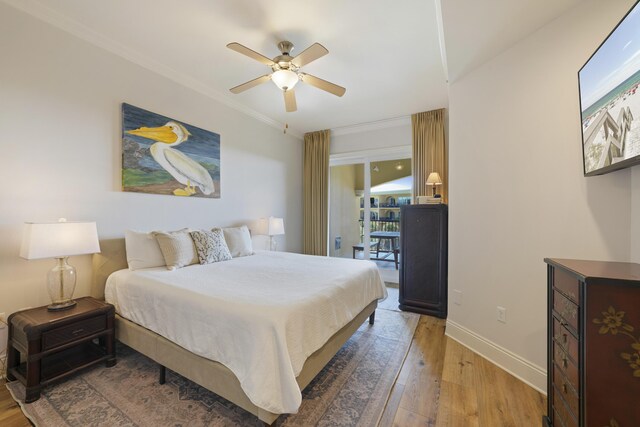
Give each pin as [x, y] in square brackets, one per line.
[286, 71]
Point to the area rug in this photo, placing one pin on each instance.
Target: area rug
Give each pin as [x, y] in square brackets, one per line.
[351, 390]
[391, 303]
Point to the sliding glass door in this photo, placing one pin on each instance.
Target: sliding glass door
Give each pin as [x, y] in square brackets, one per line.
[365, 196]
[345, 196]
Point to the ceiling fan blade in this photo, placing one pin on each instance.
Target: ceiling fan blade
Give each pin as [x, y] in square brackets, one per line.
[323, 84]
[250, 84]
[310, 54]
[290, 101]
[250, 53]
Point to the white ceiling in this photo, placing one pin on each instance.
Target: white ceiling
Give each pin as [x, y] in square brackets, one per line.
[387, 54]
[476, 31]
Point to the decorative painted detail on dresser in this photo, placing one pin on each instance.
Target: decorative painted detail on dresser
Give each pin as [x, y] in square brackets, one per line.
[593, 355]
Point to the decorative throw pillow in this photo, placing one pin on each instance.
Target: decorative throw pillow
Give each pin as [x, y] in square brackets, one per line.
[143, 250]
[211, 246]
[177, 248]
[239, 241]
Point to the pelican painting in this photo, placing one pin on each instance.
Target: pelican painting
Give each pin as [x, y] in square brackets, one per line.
[165, 156]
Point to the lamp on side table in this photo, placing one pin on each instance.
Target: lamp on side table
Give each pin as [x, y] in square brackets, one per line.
[271, 227]
[60, 240]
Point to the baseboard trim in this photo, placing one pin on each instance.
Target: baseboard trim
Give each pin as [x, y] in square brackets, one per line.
[527, 372]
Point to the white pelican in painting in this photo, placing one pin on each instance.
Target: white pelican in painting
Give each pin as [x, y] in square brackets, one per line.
[182, 167]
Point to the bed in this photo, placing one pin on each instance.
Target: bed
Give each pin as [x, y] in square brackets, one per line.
[277, 334]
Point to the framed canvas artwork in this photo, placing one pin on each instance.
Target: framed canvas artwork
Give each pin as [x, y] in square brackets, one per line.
[161, 155]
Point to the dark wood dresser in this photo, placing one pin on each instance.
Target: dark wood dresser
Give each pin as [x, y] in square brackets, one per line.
[423, 259]
[593, 361]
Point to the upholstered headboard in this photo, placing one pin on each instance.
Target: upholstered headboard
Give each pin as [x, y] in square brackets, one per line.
[112, 257]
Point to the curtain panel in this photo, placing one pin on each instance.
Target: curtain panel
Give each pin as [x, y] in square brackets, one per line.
[429, 152]
[315, 192]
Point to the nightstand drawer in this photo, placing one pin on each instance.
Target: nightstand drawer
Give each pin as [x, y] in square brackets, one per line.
[566, 339]
[566, 309]
[65, 334]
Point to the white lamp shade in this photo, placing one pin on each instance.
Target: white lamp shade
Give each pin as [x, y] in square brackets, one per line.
[285, 79]
[434, 179]
[59, 239]
[270, 226]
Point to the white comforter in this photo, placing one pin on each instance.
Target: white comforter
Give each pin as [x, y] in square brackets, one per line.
[261, 316]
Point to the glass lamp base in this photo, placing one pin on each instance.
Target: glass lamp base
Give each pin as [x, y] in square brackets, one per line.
[61, 306]
[61, 282]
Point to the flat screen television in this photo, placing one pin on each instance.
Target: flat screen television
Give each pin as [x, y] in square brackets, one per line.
[610, 99]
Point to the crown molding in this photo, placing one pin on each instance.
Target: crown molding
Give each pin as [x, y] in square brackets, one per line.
[371, 126]
[58, 20]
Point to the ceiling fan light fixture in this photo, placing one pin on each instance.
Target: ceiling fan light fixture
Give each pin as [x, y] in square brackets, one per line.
[284, 79]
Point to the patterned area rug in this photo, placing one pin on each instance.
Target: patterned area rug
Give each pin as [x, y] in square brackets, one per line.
[391, 303]
[351, 390]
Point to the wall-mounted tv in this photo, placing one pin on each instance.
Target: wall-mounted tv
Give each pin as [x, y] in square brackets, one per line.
[610, 99]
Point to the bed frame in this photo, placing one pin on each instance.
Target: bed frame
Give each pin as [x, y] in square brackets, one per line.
[207, 373]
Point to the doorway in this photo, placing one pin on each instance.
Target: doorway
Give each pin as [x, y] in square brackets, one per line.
[366, 192]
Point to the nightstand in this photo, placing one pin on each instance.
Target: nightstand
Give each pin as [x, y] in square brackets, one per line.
[55, 344]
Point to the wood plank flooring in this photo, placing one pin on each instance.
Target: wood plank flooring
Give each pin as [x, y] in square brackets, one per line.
[10, 413]
[442, 383]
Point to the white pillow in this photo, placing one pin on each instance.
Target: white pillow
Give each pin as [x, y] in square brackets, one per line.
[177, 248]
[238, 240]
[143, 250]
[210, 245]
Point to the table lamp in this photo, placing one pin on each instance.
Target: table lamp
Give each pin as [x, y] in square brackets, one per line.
[434, 179]
[271, 227]
[59, 240]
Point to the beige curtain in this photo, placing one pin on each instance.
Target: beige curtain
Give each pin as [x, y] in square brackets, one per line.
[429, 152]
[315, 194]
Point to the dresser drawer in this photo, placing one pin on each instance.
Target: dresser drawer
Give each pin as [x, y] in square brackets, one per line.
[568, 368]
[565, 339]
[566, 284]
[565, 389]
[558, 421]
[562, 412]
[566, 309]
[65, 334]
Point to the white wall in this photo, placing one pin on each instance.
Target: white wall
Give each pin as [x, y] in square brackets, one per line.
[60, 134]
[515, 128]
[371, 139]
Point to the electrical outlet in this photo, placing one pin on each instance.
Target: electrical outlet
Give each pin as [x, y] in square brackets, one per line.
[457, 297]
[502, 314]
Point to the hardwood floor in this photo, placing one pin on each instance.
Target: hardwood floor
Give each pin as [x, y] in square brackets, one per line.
[441, 383]
[444, 384]
[10, 413]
